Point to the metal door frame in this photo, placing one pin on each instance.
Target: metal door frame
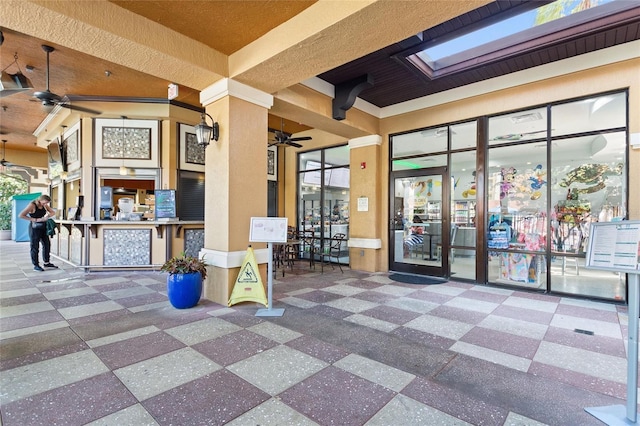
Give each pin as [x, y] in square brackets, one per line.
[444, 269]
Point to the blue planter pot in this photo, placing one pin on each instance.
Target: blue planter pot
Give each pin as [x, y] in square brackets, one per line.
[184, 290]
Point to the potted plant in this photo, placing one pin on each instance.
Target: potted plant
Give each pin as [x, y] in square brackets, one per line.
[184, 283]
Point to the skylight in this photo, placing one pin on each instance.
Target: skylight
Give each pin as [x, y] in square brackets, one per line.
[525, 27]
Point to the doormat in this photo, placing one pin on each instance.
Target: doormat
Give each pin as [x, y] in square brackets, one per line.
[416, 279]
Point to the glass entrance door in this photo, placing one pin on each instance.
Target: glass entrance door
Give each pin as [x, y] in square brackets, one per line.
[420, 213]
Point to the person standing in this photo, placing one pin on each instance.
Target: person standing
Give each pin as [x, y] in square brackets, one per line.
[37, 213]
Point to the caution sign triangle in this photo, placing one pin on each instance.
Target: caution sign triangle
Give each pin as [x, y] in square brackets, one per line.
[248, 286]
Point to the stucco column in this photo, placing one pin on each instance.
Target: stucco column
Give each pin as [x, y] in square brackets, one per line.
[235, 182]
[365, 224]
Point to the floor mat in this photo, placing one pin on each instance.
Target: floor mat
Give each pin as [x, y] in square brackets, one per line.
[416, 279]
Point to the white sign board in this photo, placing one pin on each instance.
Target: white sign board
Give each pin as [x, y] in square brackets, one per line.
[363, 204]
[614, 246]
[268, 230]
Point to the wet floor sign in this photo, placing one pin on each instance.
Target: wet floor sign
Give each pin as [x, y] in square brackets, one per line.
[248, 286]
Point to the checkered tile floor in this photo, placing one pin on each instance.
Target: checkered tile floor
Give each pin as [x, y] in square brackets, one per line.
[352, 348]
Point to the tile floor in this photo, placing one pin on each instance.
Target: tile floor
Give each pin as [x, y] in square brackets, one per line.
[352, 348]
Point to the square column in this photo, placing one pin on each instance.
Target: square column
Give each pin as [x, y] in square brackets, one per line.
[235, 182]
[366, 226]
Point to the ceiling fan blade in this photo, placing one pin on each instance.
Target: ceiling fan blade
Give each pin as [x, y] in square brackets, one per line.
[80, 108]
[293, 144]
[272, 143]
[47, 97]
[302, 138]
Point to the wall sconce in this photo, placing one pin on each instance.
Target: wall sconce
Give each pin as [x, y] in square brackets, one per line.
[206, 133]
[64, 175]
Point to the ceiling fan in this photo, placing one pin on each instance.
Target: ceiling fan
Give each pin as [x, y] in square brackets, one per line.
[49, 99]
[282, 138]
[10, 169]
[4, 162]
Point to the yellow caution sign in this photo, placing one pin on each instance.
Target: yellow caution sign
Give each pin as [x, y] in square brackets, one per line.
[248, 286]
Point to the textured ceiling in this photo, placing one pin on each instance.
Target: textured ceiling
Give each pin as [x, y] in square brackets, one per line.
[225, 26]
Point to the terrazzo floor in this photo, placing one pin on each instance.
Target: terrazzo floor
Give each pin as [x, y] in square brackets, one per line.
[352, 348]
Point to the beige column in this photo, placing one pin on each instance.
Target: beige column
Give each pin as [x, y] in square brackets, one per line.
[235, 182]
[365, 221]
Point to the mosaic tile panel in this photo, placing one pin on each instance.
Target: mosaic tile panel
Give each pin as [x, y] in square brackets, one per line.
[137, 143]
[127, 247]
[54, 244]
[63, 236]
[194, 153]
[75, 246]
[193, 241]
[71, 144]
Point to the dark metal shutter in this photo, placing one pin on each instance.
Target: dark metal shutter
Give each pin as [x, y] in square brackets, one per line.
[190, 196]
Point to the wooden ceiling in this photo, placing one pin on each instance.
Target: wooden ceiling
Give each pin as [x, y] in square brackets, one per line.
[225, 26]
[395, 81]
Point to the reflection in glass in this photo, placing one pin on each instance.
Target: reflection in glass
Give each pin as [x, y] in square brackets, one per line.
[420, 142]
[599, 113]
[464, 135]
[591, 187]
[419, 162]
[323, 202]
[518, 126]
[418, 219]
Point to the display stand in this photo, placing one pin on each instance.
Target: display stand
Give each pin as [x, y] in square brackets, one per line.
[270, 230]
[615, 246]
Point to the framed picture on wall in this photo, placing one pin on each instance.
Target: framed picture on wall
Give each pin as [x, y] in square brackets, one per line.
[272, 163]
[125, 142]
[71, 144]
[192, 155]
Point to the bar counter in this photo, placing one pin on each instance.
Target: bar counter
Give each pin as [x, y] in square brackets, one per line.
[121, 244]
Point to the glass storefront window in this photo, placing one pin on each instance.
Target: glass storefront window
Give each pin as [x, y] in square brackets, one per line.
[590, 186]
[323, 200]
[518, 126]
[420, 142]
[550, 172]
[338, 156]
[517, 213]
[419, 162]
[587, 115]
[462, 256]
[464, 135]
[530, 237]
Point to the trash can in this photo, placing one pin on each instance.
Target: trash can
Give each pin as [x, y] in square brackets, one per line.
[19, 227]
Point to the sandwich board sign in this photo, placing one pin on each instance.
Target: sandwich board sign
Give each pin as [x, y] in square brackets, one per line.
[269, 230]
[615, 246]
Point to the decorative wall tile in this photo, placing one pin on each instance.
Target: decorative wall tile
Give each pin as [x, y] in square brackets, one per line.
[137, 143]
[75, 246]
[54, 244]
[193, 241]
[71, 145]
[63, 236]
[127, 247]
[194, 153]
